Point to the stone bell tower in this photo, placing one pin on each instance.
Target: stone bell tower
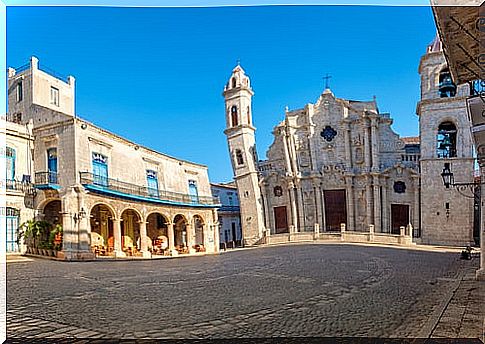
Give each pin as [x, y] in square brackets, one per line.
[242, 150]
[445, 136]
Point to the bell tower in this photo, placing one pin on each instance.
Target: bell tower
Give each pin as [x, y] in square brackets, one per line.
[242, 150]
[445, 137]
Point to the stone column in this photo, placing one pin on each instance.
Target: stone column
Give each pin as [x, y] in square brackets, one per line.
[316, 231]
[301, 213]
[385, 207]
[318, 204]
[190, 229]
[265, 198]
[348, 149]
[171, 238]
[117, 238]
[367, 144]
[416, 212]
[294, 214]
[143, 239]
[286, 152]
[84, 229]
[368, 200]
[375, 143]
[350, 201]
[377, 204]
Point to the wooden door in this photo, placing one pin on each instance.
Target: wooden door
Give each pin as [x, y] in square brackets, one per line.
[399, 217]
[281, 221]
[335, 209]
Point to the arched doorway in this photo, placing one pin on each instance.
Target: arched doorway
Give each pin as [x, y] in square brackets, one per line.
[52, 212]
[199, 224]
[157, 233]
[101, 223]
[180, 233]
[130, 231]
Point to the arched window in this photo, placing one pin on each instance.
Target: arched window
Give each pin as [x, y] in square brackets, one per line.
[234, 115]
[249, 116]
[446, 140]
[447, 87]
[233, 82]
[239, 157]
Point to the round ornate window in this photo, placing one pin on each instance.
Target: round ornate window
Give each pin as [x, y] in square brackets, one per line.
[328, 133]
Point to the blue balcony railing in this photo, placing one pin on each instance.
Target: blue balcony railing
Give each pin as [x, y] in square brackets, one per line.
[22, 186]
[116, 187]
[46, 178]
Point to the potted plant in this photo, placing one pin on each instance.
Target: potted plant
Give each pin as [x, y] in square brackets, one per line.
[55, 239]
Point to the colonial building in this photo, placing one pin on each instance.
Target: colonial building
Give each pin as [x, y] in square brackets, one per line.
[19, 191]
[337, 165]
[111, 196]
[228, 214]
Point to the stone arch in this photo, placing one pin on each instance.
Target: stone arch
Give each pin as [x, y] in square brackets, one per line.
[199, 226]
[446, 139]
[138, 212]
[52, 211]
[111, 208]
[101, 216]
[157, 231]
[130, 219]
[180, 230]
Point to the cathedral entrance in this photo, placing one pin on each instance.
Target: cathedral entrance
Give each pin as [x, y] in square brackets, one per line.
[399, 217]
[281, 220]
[335, 209]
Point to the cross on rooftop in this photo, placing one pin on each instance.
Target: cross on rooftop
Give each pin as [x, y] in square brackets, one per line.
[326, 78]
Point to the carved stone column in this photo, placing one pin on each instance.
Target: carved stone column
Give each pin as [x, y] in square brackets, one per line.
[375, 143]
[377, 204]
[416, 212]
[348, 149]
[367, 145]
[143, 239]
[350, 201]
[294, 214]
[318, 205]
[385, 208]
[368, 202]
[171, 238]
[117, 238]
[301, 213]
[190, 229]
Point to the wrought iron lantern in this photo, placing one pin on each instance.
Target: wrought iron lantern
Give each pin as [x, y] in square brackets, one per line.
[447, 175]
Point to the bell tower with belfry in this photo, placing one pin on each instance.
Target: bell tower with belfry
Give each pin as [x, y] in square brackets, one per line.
[445, 137]
[242, 150]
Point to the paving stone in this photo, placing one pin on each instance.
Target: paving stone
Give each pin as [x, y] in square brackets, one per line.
[313, 291]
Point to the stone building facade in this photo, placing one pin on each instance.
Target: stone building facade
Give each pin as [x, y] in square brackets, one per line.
[112, 196]
[19, 191]
[229, 214]
[337, 165]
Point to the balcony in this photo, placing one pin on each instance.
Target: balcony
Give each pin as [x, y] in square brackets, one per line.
[15, 185]
[46, 180]
[229, 209]
[116, 188]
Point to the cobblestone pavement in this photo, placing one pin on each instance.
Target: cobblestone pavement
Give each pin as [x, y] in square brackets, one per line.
[294, 291]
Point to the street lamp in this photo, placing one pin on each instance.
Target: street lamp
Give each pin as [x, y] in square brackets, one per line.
[465, 189]
[447, 176]
[81, 215]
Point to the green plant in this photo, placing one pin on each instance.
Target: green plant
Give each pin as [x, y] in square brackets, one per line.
[55, 237]
[35, 233]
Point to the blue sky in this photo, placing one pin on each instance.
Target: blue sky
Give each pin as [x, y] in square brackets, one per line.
[155, 75]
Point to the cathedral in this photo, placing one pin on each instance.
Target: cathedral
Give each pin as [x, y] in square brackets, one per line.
[338, 166]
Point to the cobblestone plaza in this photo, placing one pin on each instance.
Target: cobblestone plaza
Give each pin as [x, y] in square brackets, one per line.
[288, 291]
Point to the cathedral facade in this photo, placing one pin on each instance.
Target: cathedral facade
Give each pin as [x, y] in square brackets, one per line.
[337, 165]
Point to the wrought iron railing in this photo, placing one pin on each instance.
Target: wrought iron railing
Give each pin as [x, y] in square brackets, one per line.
[43, 178]
[16, 185]
[88, 178]
[229, 208]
